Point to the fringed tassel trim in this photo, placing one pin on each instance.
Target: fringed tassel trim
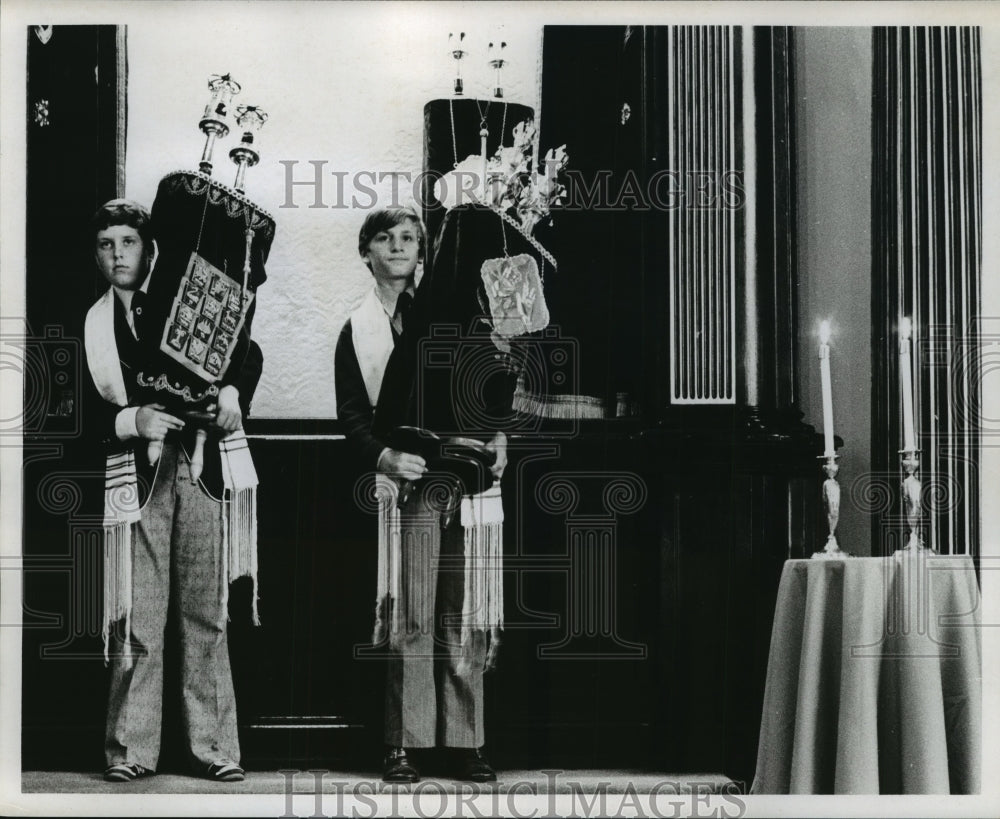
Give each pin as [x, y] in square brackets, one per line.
[482, 522]
[482, 606]
[121, 510]
[387, 590]
[117, 584]
[559, 406]
[239, 556]
[582, 407]
[239, 518]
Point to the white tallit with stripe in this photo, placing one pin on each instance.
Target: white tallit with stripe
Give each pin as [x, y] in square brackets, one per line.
[371, 332]
[121, 495]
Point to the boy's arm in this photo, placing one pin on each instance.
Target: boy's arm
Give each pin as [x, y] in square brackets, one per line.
[248, 376]
[353, 407]
[238, 387]
[104, 422]
[113, 428]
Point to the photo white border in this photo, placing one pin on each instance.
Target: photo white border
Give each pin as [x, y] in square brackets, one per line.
[16, 15]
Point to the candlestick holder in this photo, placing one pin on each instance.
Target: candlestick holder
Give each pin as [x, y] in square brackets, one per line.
[912, 490]
[215, 120]
[831, 499]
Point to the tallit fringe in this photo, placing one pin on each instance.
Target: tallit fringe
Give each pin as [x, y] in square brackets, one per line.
[239, 543]
[239, 518]
[387, 591]
[117, 584]
[482, 607]
[121, 510]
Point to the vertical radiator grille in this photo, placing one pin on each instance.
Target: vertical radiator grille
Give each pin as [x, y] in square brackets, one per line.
[703, 150]
[927, 251]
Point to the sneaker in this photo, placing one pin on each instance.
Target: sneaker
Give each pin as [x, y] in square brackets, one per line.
[225, 772]
[126, 772]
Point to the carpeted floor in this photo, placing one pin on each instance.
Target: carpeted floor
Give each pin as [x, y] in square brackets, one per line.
[274, 782]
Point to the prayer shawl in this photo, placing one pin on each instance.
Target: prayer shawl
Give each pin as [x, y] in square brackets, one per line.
[481, 517]
[121, 495]
[372, 336]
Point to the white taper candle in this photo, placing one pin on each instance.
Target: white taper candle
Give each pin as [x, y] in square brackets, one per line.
[824, 370]
[906, 383]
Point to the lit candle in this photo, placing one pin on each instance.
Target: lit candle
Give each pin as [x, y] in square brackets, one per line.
[824, 370]
[906, 380]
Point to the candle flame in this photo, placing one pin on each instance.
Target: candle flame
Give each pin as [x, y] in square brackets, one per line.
[824, 332]
[905, 328]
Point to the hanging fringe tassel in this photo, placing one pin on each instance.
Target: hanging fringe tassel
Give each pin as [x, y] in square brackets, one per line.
[240, 541]
[224, 559]
[121, 510]
[559, 406]
[239, 517]
[389, 533]
[117, 584]
[482, 607]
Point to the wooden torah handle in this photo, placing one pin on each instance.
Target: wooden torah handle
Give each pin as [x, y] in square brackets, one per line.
[405, 490]
[153, 451]
[198, 456]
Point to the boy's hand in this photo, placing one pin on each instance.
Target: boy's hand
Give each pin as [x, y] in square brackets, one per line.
[499, 446]
[153, 424]
[230, 417]
[403, 465]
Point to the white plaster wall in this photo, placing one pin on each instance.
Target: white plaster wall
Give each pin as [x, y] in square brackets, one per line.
[340, 83]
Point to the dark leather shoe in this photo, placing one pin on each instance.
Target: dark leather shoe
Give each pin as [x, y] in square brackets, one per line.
[398, 768]
[474, 767]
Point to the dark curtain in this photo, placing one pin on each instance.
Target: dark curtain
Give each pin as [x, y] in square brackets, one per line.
[75, 136]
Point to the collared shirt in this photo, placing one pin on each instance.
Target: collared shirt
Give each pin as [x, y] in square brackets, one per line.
[388, 301]
[125, 296]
